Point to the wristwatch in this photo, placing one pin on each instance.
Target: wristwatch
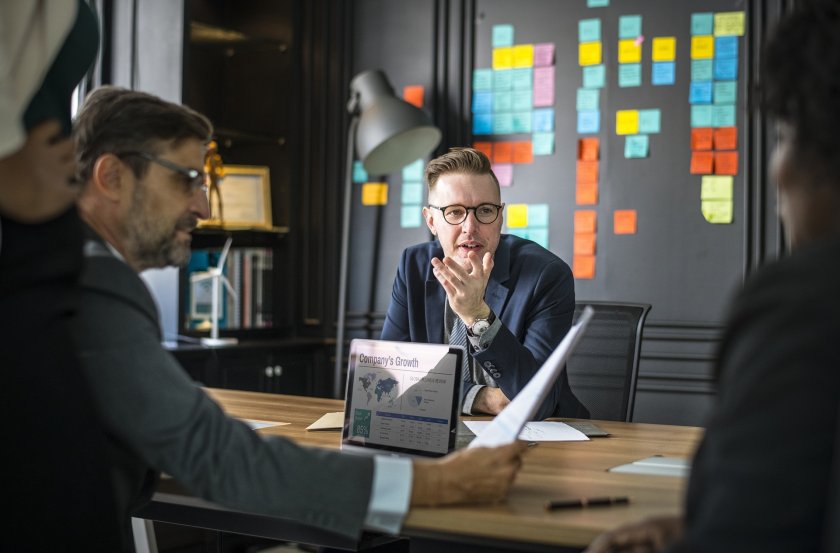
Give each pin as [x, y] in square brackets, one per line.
[480, 326]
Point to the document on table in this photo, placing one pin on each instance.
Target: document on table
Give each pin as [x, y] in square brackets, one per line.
[507, 425]
[538, 431]
[256, 425]
[657, 465]
[329, 421]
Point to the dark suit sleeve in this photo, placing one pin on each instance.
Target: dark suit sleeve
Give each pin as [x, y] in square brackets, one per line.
[396, 326]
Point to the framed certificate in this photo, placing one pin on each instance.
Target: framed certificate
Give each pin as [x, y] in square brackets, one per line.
[245, 195]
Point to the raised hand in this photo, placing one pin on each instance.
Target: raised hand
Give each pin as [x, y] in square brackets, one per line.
[464, 281]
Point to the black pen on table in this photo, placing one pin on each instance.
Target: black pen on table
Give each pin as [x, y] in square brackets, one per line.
[580, 502]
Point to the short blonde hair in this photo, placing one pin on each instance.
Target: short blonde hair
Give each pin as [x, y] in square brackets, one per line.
[465, 161]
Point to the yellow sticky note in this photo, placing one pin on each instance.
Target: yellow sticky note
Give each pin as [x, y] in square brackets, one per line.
[729, 23]
[629, 51]
[716, 187]
[589, 53]
[627, 121]
[517, 215]
[664, 48]
[702, 47]
[375, 193]
[502, 58]
[718, 212]
[523, 55]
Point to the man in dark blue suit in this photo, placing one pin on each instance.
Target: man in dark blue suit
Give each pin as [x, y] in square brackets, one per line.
[508, 300]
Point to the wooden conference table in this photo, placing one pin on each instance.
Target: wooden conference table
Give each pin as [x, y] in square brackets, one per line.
[550, 471]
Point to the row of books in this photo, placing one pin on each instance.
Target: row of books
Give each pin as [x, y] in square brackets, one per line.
[249, 273]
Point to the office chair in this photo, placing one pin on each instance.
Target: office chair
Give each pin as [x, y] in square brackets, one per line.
[605, 364]
[832, 528]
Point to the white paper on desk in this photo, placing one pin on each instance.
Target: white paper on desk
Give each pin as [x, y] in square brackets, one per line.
[329, 421]
[538, 431]
[256, 425]
[506, 426]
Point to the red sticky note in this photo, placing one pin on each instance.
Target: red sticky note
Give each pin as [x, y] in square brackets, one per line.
[624, 221]
[584, 243]
[701, 138]
[587, 172]
[701, 163]
[523, 152]
[726, 138]
[726, 163]
[484, 147]
[583, 266]
[585, 221]
[503, 152]
[588, 149]
[413, 94]
[587, 193]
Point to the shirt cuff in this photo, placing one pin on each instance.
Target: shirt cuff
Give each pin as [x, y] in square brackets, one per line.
[481, 343]
[390, 495]
[469, 399]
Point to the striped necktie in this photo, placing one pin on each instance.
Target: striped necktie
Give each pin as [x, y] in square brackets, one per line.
[458, 337]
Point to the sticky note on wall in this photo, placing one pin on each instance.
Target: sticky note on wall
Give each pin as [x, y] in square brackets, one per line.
[583, 266]
[624, 221]
[589, 53]
[664, 48]
[413, 94]
[517, 215]
[627, 121]
[585, 220]
[374, 193]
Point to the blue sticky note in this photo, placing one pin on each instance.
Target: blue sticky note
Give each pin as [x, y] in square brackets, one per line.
[359, 173]
[629, 74]
[522, 121]
[482, 124]
[482, 79]
[520, 232]
[503, 79]
[502, 101]
[597, 3]
[726, 69]
[539, 235]
[636, 146]
[587, 99]
[411, 216]
[649, 121]
[726, 47]
[523, 79]
[701, 70]
[503, 123]
[522, 100]
[629, 26]
[594, 76]
[537, 215]
[502, 35]
[482, 102]
[542, 144]
[588, 122]
[663, 73]
[723, 115]
[412, 193]
[543, 120]
[413, 172]
[701, 116]
[589, 30]
[700, 92]
[726, 92]
[702, 23]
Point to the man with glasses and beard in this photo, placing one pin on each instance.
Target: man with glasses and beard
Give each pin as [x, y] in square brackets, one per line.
[508, 300]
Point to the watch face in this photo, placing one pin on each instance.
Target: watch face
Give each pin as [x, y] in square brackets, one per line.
[479, 327]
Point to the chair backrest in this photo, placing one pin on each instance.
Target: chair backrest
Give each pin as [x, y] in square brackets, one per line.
[603, 369]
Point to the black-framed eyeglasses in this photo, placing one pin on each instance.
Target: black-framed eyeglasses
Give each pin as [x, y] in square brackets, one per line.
[194, 178]
[456, 214]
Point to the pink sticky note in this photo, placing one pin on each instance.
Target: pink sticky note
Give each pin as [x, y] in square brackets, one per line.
[640, 39]
[503, 172]
[543, 86]
[543, 54]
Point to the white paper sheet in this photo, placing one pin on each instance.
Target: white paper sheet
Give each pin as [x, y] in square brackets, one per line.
[256, 425]
[538, 431]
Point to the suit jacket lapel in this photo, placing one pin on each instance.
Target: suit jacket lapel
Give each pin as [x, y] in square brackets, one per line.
[497, 293]
[435, 298]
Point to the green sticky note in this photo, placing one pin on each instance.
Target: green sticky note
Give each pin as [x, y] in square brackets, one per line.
[726, 92]
[587, 99]
[482, 79]
[629, 26]
[595, 76]
[539, 235]
[413, 172]
[723, 115]
[537, 215]
[411, 216]
[542, 143]
[649, 121]
[503, 123]
[412, 193]
[502, 101]
[523, 79]
[629, 74]
[716, 187]
[636, 146]
[589, 30]
[502, 79]
[701, 116]
[701, 70]
[522, 121]
[597, 3]
[717, 212]
[702, 23]
[502, 35]
[523, 100]
[359, 173]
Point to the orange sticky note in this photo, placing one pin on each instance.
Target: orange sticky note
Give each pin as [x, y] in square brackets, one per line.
[523, 152]
[584, 243]
[726, 163]
[588, 149]
[702, 163]
[503, 152]
[583, 266]
[624, 221]
[726, 138]
[484, 147]
[413, 94]
[375, 193]
[585, 221]
[586, 193]
[587, 172]
[701, 138]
